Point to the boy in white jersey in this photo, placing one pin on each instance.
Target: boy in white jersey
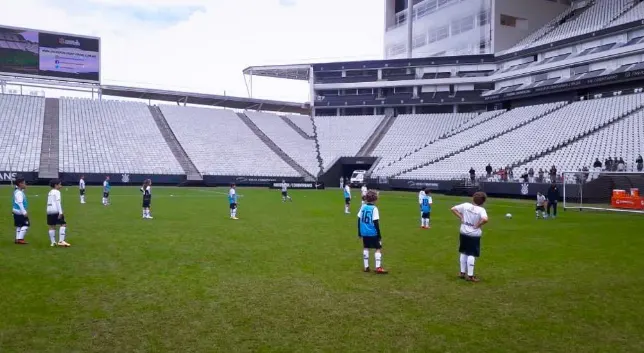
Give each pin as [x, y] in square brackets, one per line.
[363, 193]
[347, 198]
[284, 188]
[473, 217]
[81, 188]
[541, 205]
[19, 210]
[146, 190]
[55, 216]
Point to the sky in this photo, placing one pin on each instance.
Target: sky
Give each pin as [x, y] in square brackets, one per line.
[203, 45]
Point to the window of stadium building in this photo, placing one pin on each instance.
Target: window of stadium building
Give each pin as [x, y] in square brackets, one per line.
[509, 21]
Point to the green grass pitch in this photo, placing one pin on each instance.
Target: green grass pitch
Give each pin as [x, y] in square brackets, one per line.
[287, 278]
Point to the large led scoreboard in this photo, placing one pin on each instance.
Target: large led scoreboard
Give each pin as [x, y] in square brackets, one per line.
[34, 53]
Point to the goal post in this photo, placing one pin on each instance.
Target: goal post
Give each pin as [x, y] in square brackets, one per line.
[603, 191]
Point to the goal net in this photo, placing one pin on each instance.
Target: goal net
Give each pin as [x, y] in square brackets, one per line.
[604, 191]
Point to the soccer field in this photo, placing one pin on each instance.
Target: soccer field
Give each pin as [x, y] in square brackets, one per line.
[286, 277]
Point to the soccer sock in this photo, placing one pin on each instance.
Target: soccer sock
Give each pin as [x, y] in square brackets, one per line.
[463, 261]
[143, 214]
[378, 259]
[52, 235]
[17, 233]
[62, 233]
[23, 232]
[365, 258]
[235, 213]
[470, 265]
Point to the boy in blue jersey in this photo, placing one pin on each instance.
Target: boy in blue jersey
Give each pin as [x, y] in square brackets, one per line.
[19, 210]
[347, 198]
[232, 201]
[425, 208]
[369, 231]
[106, 191]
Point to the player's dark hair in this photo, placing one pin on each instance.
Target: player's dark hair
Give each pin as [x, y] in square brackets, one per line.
[427, 191]
[371, 196]
[54, 182]
[19, 181]
[232, 185]
[479, 198]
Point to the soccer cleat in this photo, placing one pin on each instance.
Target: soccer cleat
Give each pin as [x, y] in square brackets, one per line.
[53, 245]
[21, 242]
[381, 271]
[366, 269]
[473, 279]
[64, 244]
[234, 218]
[461, 275]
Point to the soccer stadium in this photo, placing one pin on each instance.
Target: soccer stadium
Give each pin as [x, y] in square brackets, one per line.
[517, 123]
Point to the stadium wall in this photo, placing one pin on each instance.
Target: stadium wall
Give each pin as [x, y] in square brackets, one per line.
[122, 178]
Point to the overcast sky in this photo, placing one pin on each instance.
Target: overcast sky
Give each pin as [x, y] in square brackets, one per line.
[203, 45]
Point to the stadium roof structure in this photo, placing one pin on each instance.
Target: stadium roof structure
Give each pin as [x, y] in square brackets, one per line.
[205, 99]
[292, 72]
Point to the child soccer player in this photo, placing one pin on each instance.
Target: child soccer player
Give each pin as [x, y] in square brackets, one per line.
[81, 188]
[232, 201]
[55, 216]
[106, 191]
[473, 217]
[541, 205]
[369, 231]
[285, 192]
[146, 189]
[19, 209]
[347, 198]
[363, 192]
[425, 209]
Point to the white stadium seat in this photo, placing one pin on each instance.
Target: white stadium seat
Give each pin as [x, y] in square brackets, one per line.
[409, 133]
[219, 143]
[292, 143]
[112, 137]
[488, 129]
[546, 134]
[21, 126]
[343, 136]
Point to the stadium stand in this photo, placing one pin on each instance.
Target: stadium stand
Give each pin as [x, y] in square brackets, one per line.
[300, 149]
[412, 132]
[548, 133]
[112, 137]
[598, 14]
[21, 119]
[624, 138]
[303, 122]
[634, 14]
[343, 136]
[466, 139]
[219, 143]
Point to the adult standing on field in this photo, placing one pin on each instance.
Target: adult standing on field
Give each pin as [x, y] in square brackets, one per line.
[553, 198]
[640, 163]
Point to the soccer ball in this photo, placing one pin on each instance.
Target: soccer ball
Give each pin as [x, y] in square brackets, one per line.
[508, 215]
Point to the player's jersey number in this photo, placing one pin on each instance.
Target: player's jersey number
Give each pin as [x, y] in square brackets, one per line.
[366, 217]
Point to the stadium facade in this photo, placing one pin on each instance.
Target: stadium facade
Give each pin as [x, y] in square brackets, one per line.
[570, 71]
